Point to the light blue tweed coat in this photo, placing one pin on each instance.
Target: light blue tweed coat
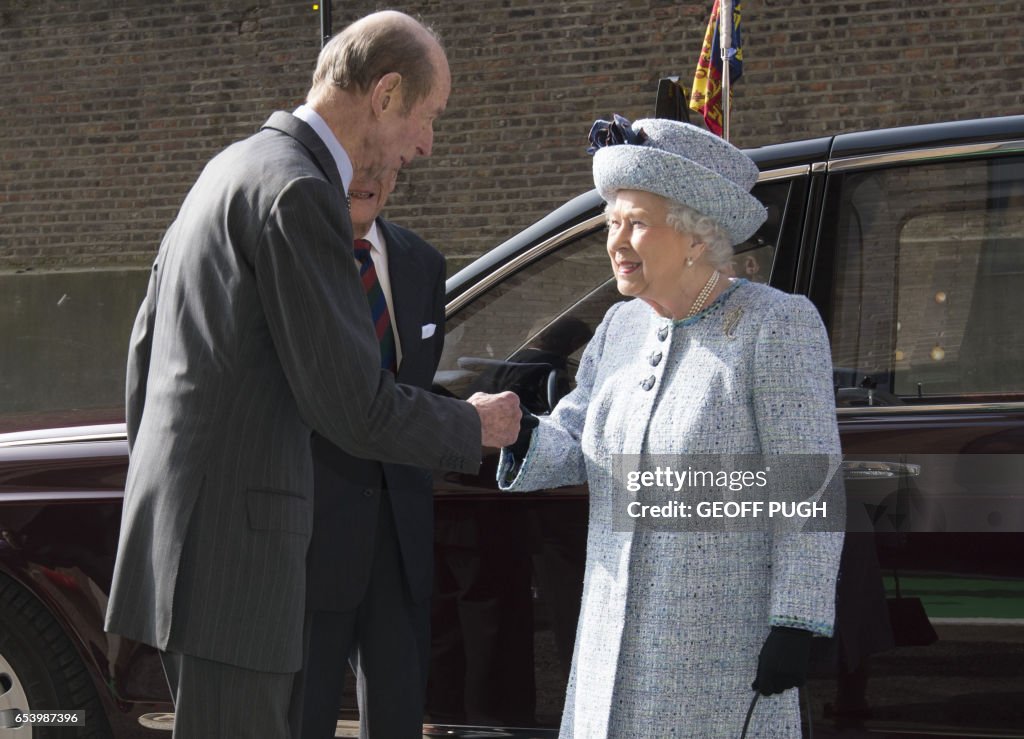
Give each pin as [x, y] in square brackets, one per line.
[672, 623]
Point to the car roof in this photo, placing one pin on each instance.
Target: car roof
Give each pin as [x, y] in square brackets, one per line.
[929, 135]
[770, 157]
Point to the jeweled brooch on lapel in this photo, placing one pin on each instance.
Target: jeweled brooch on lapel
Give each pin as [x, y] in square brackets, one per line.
[731, 321]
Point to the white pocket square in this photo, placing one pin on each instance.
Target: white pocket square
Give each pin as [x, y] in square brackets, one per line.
[428, 330]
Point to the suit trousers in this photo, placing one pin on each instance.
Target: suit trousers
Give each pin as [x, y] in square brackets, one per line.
[214, 700]
[386, 640]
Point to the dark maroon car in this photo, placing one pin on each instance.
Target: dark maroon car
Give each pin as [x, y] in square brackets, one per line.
[911, 244]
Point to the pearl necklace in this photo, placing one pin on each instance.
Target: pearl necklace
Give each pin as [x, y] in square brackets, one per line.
[703, 294]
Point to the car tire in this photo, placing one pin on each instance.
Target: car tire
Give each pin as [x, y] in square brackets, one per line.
[40, 669]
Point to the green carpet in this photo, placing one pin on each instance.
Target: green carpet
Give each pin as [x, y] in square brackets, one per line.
[951, 596]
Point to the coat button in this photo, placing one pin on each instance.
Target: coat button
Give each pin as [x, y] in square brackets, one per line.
[655, 359]
[368, 492]
[662, 333]
[648, 383]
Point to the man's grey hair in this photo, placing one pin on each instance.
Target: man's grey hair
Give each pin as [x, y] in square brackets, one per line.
[704, 229]
[372, 47]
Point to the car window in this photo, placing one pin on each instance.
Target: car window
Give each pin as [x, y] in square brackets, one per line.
[929, 282]
[65, 341]
[528, 332]
[755, 257]
[530, 326]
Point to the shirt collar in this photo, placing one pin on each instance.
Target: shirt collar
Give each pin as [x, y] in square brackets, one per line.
[318, 124]
[376, 239]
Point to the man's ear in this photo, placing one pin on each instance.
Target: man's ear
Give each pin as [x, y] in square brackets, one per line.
[386, 93]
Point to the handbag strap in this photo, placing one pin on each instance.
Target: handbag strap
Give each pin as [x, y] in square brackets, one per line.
[807, 709]
[750, 712]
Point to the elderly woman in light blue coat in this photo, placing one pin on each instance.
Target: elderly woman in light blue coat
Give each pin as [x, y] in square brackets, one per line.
[679, 623]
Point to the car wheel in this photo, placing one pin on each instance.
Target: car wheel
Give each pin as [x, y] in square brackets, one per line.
[40, 669]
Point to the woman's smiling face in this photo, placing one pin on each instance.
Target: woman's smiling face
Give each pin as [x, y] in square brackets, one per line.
[648, 256]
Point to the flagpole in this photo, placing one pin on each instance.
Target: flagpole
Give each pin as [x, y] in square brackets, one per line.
[325, 22]
[725, 44]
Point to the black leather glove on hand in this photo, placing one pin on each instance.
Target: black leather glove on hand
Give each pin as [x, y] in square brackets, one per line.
[784, 660]
[521, 446]
[526, 426]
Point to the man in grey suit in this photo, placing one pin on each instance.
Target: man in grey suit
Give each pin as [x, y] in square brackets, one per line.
[369, 573]
[253, 333]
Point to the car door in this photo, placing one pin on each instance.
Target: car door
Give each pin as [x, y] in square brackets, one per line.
[918, 270]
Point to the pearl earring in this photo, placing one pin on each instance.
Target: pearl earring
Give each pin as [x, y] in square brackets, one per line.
[689, 261]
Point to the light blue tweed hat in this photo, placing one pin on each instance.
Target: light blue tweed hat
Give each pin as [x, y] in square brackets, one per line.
[680, 162]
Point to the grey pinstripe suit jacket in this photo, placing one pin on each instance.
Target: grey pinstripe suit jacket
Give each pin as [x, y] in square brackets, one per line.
[244, 344]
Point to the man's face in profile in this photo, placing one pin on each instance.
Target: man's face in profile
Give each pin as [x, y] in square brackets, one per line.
[405, 132]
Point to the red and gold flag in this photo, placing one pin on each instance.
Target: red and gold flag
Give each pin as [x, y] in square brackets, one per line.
[706, 95]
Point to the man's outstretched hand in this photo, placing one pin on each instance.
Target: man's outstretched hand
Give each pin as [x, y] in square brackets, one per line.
[499, 417]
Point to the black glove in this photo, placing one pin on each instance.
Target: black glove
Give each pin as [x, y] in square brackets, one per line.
[784, 660]
[519, 448]
[522, 443]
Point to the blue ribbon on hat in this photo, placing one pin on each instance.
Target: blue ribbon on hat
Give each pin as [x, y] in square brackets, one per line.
[618, 131]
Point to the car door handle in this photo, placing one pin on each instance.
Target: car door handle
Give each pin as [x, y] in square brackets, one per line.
[860, 469]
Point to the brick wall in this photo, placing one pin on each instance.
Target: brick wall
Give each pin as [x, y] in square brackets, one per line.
[111, 108]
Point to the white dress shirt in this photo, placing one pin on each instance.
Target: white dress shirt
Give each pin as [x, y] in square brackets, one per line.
[318, 124]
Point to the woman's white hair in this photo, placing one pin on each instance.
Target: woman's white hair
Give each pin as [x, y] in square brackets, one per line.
[704, 229]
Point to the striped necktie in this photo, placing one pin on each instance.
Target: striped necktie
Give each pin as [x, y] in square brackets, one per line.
[378, 305]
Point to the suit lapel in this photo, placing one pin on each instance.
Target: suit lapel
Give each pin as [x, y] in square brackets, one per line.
[305, 135]
[405, 275]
